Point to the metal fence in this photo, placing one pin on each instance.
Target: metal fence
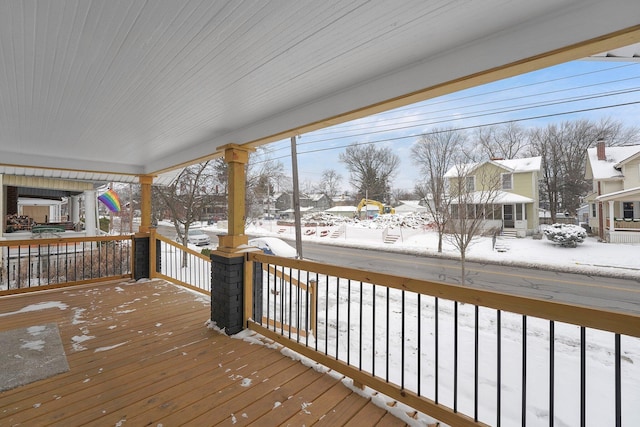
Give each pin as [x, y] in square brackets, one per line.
[43, 262]
[463, 356]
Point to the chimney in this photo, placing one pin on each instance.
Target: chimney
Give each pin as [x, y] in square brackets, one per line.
[600, 150]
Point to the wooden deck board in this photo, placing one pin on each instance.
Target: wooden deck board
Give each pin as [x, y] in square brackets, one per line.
[141, 354]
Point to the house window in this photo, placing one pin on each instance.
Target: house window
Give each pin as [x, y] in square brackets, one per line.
[627, 209]
[471, 183]
[593, 210]
[507, 181]
[519, 213]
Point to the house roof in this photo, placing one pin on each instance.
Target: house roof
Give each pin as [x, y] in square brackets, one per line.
[630, 194]
[410, 206]
[141, 87]
[527, 164]
[615, 156]
[500, 198]
[342, 209]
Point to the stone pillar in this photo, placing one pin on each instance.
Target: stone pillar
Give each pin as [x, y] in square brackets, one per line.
[145, 203]
[142, 256]
[227, 287]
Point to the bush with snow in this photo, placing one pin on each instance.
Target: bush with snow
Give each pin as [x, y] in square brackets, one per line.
[567, 235]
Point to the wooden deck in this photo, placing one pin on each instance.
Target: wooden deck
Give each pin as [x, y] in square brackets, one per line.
[140, 354]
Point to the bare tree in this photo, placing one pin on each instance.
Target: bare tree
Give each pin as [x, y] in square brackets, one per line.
[186, 198]
[508, 141]
[435, 153]
[330, 182]
[563, 149]
[473, 190]
[371, 170]
[398, 194]
[264, 178]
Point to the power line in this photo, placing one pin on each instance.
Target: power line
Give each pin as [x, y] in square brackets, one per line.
[439, 120]
[439, 101]
[502, 122]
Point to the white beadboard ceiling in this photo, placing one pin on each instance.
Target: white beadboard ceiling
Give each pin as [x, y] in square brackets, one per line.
[128, 87]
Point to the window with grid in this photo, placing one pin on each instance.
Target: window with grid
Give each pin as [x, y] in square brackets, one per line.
[471, 183]
[507, 181]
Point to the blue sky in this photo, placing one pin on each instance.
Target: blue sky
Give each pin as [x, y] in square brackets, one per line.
[591, 90]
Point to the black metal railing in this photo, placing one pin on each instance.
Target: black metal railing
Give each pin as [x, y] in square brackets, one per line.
[467, 357]
[177, 263]
[43, 262]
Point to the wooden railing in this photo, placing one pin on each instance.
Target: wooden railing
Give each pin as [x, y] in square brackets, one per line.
[179, 264]
[626, 225]
[36, 264]
[460, 355]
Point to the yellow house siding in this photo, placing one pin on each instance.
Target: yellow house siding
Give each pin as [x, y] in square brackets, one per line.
[631, 172]
[607, 187]
[486, 176]
[522, 185]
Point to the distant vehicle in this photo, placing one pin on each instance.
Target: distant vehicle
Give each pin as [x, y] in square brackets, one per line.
[196, 237]
[273, 246]
[382, 209]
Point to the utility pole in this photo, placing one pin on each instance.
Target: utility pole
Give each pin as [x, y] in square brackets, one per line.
[296, 197]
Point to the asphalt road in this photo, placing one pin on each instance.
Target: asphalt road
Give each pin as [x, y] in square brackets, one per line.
[606, 293]
[602, 292]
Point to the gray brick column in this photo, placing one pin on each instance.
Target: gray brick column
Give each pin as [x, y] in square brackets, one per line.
[227, 279]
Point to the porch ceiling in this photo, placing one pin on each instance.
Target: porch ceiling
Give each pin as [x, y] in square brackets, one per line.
[141, 87]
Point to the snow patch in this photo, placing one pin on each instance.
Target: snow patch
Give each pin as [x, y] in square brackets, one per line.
[111, 347]
[37, 307]
[37, 345]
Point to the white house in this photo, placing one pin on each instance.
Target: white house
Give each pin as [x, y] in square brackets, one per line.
[615, 196]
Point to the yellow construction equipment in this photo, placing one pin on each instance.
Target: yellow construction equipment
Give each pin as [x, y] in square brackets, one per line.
[382, 209]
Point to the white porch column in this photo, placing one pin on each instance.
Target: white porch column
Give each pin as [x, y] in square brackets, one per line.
[74, 209]
[90, 216]
[612, 223]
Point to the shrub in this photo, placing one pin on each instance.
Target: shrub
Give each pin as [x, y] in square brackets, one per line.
[566, 235]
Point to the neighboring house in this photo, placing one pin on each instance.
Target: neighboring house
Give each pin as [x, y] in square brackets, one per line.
[615, 198]
[319, 202]
[346, 211]
[410, 206]
[283, 201]
[515, 201]
[343, 200]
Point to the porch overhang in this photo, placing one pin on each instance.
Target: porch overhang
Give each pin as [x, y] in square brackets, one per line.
[629, 195]
[500, 198]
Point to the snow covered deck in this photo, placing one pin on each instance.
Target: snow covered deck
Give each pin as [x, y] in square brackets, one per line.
[140, 353]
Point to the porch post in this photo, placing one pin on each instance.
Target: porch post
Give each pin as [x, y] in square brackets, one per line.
[236, 157]
[612, 223]
[145, 203]
[74, 209]
[91, 222]
[229, 276]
